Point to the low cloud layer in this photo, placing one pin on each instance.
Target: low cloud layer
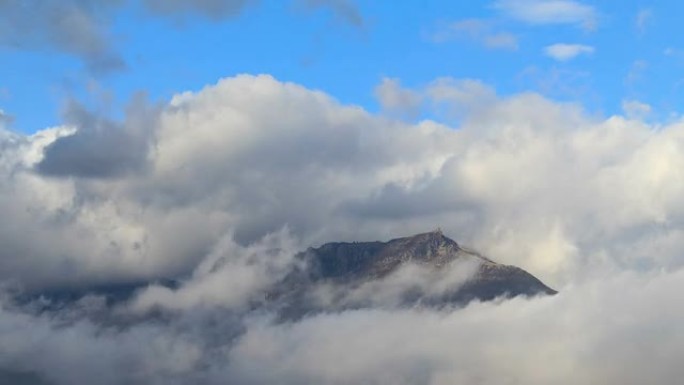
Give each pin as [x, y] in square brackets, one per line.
[621, 330]
[219, 188]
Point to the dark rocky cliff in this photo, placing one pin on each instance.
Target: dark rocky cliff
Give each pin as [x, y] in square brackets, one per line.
[342, 267]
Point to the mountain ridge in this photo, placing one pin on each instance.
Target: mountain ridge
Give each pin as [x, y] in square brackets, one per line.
[361, 268]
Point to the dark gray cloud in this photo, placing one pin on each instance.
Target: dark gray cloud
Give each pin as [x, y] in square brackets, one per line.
[81, 27]
[211, 9]
[76, 27]
[345, 10]
[101, 148]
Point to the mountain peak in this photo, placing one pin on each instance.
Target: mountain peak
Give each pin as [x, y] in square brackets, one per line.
[354, 264]
[432, 236]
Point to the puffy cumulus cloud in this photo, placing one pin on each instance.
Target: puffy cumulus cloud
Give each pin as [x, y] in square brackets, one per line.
[98, 147]
[592, 206]
[526, 180]
[285, 166]
[60, 230]
[248, 155]
[565, 52]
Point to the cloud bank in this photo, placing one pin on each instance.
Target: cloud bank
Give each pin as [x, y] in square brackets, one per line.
[622, 330]
[219, 187]
[556, 191]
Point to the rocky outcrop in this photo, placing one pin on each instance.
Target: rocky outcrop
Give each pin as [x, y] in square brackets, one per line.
[337, 276]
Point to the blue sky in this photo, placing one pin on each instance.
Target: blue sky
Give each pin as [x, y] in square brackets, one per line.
[598, 54]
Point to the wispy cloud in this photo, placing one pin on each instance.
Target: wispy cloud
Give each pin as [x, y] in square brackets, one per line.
[345, 10]
[67, 26]
[636, 72]
[643, 19]
[502, 40]
[5, 119]
[479, 30]
[211, 9]
[542, 12]
[635, 109]
[565, 52]
[82, 29]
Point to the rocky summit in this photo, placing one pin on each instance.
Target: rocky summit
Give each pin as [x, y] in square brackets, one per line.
[427, 269]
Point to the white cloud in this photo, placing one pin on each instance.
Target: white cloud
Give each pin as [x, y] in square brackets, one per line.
[542, 12]
[592, 206]
[565, 52]
[528, 181]
[628, 320]
[229, 277]
[484, 343]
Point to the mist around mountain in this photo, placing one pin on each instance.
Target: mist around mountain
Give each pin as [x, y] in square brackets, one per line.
[423, 270]
[426, 269]
[179, 256]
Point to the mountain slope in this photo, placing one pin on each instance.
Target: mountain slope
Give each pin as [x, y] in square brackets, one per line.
[425, 269]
